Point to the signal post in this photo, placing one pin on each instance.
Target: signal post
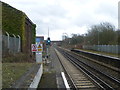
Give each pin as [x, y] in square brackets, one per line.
[48, 43]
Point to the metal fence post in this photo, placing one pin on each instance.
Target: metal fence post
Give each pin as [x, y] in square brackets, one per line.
[19, 43]
[116, 49]
[14, 44]
[8, 46]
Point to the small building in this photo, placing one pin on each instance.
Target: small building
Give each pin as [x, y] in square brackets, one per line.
[16, 22]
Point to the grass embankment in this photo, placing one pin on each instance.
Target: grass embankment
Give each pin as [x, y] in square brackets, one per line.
[103, 53]
[16, 58]
[12, 72]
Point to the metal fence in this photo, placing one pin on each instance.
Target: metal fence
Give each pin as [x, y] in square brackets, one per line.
[11, 44]
[104, 48]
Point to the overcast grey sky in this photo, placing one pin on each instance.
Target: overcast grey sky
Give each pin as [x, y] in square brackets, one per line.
[67, 16]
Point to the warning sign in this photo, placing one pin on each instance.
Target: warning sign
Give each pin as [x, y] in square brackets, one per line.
[40, 48]
[34, 47]
[37, 48]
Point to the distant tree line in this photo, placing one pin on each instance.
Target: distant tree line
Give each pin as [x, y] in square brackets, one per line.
[100, 34]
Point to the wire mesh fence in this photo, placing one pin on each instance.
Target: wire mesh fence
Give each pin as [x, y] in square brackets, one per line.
[10, 44]
[104, 48]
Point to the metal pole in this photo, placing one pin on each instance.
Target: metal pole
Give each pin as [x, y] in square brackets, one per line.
[8, 39]
[14, 43]
[1, 59]
[48, 31]
[19, 43]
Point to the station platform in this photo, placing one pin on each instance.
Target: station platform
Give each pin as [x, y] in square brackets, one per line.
[52, 77]
[101, 53]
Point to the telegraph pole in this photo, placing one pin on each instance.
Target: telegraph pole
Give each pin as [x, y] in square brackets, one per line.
[48, 31]
[48, 43]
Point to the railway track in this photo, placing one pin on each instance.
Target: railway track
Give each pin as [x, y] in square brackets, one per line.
[104, 81]
[76, 78]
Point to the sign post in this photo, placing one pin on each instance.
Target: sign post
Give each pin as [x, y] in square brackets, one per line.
[38, 49]
[39, 53]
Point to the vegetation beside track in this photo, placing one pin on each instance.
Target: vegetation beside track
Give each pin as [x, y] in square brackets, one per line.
[103, 53]
[13, 22]
[12, 72]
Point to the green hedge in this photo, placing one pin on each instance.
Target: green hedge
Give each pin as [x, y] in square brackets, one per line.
[33, 33]
[13, 22]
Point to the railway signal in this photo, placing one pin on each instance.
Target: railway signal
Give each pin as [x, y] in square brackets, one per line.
[48, 41]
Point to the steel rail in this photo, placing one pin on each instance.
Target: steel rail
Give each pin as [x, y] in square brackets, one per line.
[104, 84]
[110, 77]
[71, 82]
